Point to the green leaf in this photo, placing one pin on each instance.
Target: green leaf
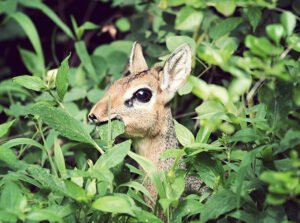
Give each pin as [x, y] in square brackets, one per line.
[30, 82]
[275, 32]
[118, 203]
[288, 20]
[30, 30]
[86, 60]
[145, 216]
[123, 24]
[138, 187]
[59, 159]
[171, 153]
[188, 19]
[254, 16]
[61, 80]
[44, 215]
[31, 61]
[74, 191]
[22, 141]
[9, 157]
[245, 135]
[94, 95]
[226, 7]
[218, 204]
[11, 198]
[4, 127]
[225, 27]
[174, 41]
[146, 164]
[113, 156]
[117, 128]
[61, 121]
[50, 13]
[184, 135]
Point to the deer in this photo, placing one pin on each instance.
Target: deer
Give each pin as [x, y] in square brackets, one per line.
[141, 101]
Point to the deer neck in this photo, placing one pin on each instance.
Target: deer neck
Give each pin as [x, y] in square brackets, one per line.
[150, 147]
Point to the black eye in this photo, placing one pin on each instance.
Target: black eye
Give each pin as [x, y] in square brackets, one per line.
[143, 95]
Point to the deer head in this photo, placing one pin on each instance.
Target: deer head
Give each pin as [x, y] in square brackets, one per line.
[141, 99]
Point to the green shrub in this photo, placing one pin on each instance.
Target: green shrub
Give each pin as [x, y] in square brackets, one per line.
[244, 92]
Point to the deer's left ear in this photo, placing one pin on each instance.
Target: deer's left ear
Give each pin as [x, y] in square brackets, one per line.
[137, 62]
[176, 70]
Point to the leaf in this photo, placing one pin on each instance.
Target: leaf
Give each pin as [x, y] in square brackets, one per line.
[86, 60]
[146, 164]
[31, 61]
[30, 82]
[30, 30]
[188, 19]
[113, 156]
[184, 135]
[74, 191]
[9, 157]
[4, 127]
[22, 141]
[226, 7]
[171, 153]
[218, 204]
[254, 16]
[123, 24]
[59, 159]
[11, 198]
[118, 203]
[145, 216]
[138, 187]
[288, 20]
[117, 128]
[245, 135]
[174, 41]
[225, 27]
[62, 122]
[61, 80]
[49, 12]
[44, 215]
[275, 32]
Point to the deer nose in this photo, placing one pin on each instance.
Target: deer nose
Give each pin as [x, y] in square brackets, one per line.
[92, 117]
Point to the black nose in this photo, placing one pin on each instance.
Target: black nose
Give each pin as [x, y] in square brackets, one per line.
[92, 117]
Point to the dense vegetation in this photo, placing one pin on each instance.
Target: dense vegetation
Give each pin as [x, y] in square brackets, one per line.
[239, 112]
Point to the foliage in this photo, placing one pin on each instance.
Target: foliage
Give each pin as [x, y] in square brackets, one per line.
[244, 92]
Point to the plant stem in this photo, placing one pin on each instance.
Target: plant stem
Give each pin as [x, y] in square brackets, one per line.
[46, 148]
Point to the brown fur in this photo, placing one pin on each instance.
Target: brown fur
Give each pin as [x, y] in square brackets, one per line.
[149, 126]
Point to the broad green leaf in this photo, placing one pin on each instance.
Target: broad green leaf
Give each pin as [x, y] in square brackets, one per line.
[59, 159]
[117, 128]
[239, 86]
[4, 127]
[245, 135]
[9, 157]
[275, 32]
[113, 156]
[226, 7]
[146, 164]
[61, 80]
[44, 215]
[31, 61]
[74, 191]
[123, 24]
[171, 153]
[225, 27]
[288, 20]
[184, 136]
[188, 19]
[50, 13]
[86, 60]
[218, 204]
[254, 16]
[30, 30]
[11, 198]
[117, 203]
[175, 41]
[94, 95]
[145, 216]
[30, 82]
[210, 108]
[61, 121]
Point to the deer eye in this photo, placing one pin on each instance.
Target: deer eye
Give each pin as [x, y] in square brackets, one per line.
[143, 95]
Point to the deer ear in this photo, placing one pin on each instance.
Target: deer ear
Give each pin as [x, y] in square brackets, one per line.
[176, 69]
[137, 62]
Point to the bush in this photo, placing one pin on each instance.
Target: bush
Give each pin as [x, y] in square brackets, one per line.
[241, 102]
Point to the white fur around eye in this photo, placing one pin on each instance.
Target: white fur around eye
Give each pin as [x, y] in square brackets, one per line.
[136, 104]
